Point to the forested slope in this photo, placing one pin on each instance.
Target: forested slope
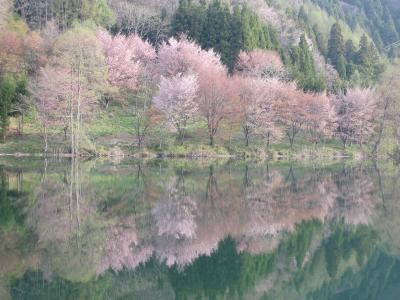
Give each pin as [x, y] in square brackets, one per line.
[94, 76]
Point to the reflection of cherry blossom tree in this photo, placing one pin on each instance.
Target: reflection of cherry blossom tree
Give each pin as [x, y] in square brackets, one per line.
[186, 223]
[51, 216]
[175, 214]
[357, 201]
[274, 207]
[122, 248]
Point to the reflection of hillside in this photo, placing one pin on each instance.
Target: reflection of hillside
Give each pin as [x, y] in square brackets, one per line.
[387, 221]
[86, 222]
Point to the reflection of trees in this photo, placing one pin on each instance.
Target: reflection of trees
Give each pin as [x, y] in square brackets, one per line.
[276, 205]
[64, 218]
[174, 212]
[227, 273]
[387, 221]
[15, 250]
[183, 216]
[56, 213]
[122, 248]
[357, 200]
[175, 217]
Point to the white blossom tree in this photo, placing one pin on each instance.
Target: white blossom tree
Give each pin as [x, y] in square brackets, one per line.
[259, 110]
[357, 111]
[176, 98]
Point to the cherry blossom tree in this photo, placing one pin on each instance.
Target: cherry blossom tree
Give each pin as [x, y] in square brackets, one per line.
[219, 100]
[179, 56]
[321, 116]
[259, 109]
[177, 99]
[130, 62]
[51, 94]
[218, 93]
[260, 63]
[126, 58]
[356, 112]
[75, 76]
[289, 106]
[11, 52]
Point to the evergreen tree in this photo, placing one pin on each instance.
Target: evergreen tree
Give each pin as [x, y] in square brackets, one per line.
[302, 16]
[8, 89]
[303, 67]
[336, 50]
[350, 51]
[320, 40]
[368, 61]
[363, 52]
[227, 31]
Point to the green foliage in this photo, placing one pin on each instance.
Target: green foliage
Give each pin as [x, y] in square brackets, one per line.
[8, 92]
[225, 271]
[301, 62]
[226, 30]
[98, 11]
[347, 60]
[64, 12]
[299, 243]
[9, 212]
[320, 40]
[377, 17]
[336, 50]
[362, 241]
[365, 61]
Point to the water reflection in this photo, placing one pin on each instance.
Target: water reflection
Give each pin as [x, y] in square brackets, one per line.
[178, 230]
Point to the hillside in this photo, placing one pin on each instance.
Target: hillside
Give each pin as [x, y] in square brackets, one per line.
[304, 78]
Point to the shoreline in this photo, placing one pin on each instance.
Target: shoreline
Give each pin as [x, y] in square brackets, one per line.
[295, 156]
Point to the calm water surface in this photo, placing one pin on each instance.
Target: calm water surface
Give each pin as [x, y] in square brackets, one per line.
[195, 230]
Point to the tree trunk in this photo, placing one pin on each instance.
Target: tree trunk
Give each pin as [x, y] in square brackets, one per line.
[181, 135]
[46, 145]
[78, 113]
[71, 118]
[246, 135]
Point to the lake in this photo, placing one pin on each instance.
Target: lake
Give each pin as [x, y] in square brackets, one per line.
[182, 229]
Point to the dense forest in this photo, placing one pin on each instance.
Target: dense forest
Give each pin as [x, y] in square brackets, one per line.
[93, 77]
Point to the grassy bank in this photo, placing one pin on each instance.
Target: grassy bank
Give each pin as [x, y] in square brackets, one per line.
[111, 133]
[32, 144]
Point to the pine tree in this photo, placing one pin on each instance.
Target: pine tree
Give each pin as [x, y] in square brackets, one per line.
[320, 40]
[350, 51]
[302, 16]
[302, 63]
[336, 50]
[8, 89]
[363, 52]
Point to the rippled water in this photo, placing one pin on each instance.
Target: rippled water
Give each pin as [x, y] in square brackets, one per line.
[195, 230]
